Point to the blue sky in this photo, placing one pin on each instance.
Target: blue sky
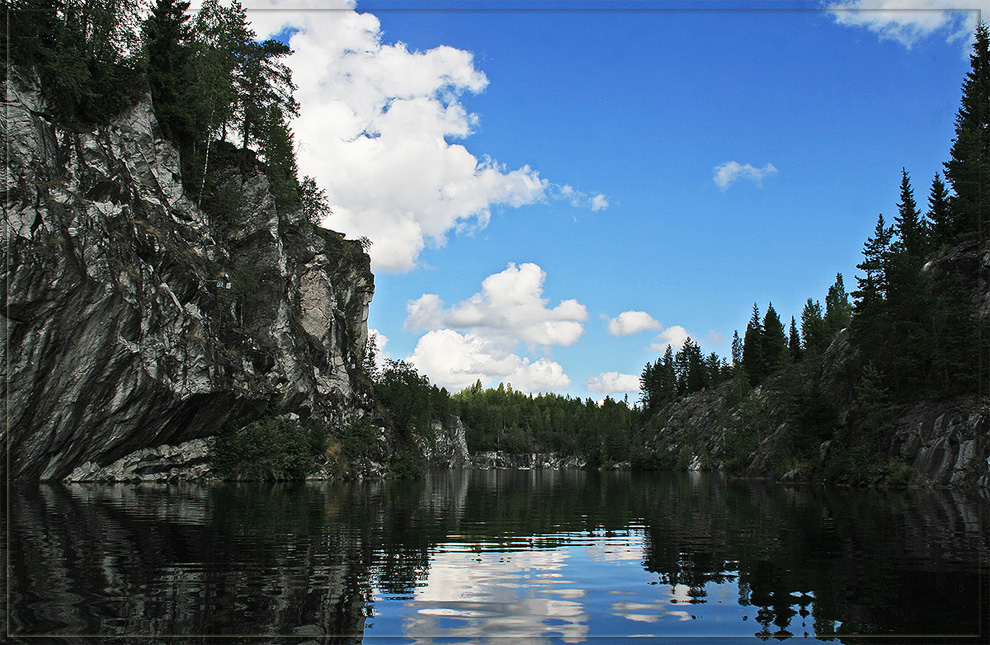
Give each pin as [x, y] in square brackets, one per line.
[528, 176]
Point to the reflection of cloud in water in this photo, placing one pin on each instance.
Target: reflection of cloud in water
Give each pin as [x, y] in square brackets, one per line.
[491, 595]
[615, 548]
[646, 612]
[680, 593]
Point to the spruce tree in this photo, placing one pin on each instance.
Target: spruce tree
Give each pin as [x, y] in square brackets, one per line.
[753, 359]
[813, 328]
[939, 217]
[907, 224]
[873, 284]
[737, 351]
[774, 341]
[667, 377]
[168, 58]
[838, 311]
[794, 341]
[968, 170]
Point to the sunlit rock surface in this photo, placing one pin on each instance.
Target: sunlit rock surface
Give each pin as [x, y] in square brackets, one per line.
[133, 319]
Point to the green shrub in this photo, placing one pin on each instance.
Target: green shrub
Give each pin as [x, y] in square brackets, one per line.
[271, 448]
[225, 203]
[406, 464]
[899, 473]
[356, 439]
[684, 457]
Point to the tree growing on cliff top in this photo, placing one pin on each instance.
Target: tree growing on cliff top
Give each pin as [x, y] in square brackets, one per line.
[83, 50]
[939, 217]
[911, 236]
[968, 169]
[168, 53]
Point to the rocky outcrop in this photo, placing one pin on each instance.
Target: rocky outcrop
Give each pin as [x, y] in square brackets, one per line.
[134, 319]
[498, 459]
[189, 461]
[448, 447]
[945, 443]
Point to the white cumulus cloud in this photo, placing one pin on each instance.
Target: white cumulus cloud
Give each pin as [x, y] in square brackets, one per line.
[672, 336]
[631, 322]
[377, 130]
[612, 383]
[909, 21]
[456, 360]
[510, 307]
[730, 171]
[480, 338]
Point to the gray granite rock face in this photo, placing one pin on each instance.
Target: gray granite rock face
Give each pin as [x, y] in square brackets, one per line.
[189, 461]
[448, 447]
[134, 319]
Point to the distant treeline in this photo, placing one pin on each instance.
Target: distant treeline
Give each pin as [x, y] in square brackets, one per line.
[500, 418]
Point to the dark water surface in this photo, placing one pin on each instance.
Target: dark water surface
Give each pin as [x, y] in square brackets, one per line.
[482, 556]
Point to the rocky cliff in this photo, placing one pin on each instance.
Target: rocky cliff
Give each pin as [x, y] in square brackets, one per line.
[931, 442]
[944, 443]
[134, 319]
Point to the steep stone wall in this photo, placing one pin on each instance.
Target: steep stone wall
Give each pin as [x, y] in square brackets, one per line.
[448, 446]
[945, 442]
[134, 319]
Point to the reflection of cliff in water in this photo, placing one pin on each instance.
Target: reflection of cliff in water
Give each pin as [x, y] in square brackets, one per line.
[828, 561]
[182, 560]
[310, 560]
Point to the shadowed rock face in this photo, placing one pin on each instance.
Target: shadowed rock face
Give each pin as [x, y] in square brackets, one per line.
[134, 319]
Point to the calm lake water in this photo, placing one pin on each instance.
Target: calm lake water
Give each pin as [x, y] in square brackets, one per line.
[479, 556]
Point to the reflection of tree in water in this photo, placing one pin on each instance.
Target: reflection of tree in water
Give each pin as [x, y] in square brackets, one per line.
[306, 559]
[825, 562]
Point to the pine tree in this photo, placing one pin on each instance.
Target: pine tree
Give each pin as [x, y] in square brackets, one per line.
[968, 170]
[263, 88]
[873, 283]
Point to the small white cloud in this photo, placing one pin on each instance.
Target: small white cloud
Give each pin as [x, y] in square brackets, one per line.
[509, 308]
[730, 171]
[577, 198]
[672, 336]
[908, 21]
[715, 338]
[455, 361]
[631, 322]
[612, 383]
